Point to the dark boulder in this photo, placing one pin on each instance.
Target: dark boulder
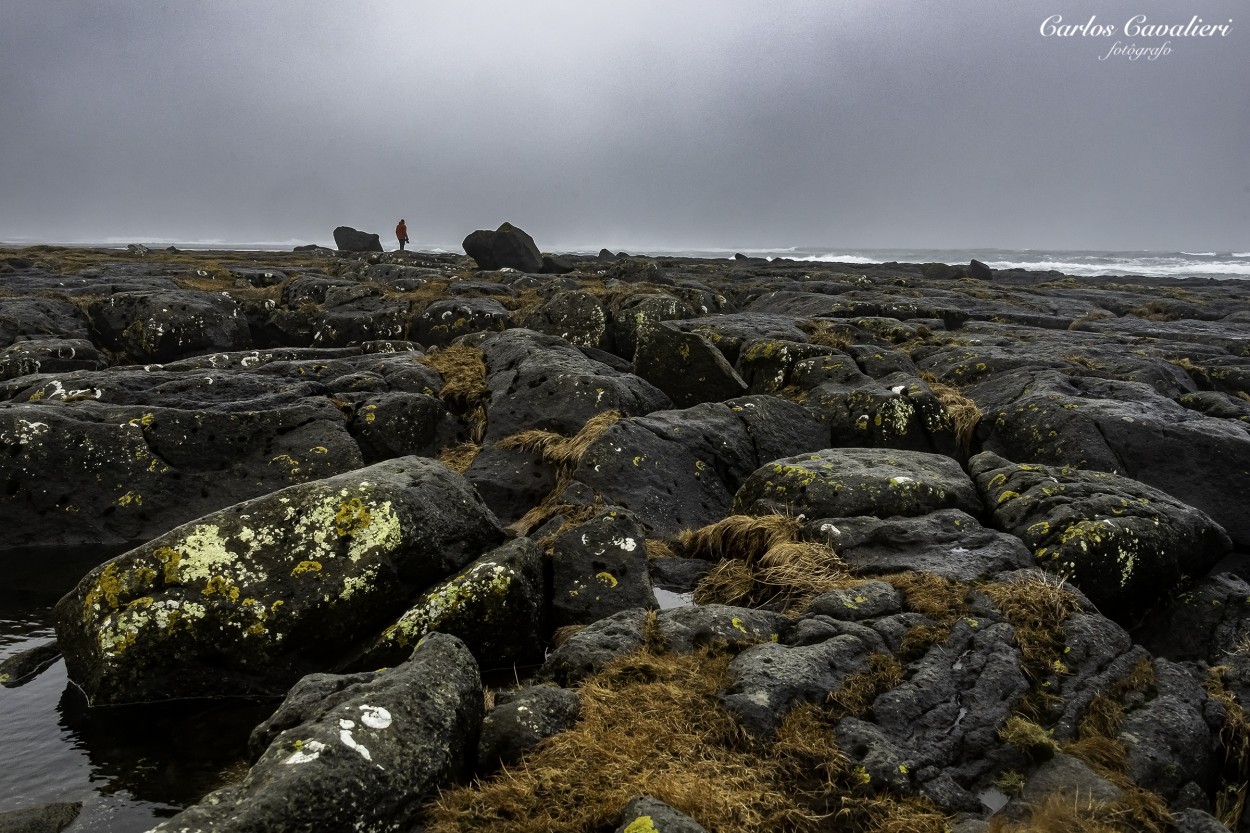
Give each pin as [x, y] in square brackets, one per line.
[443, 321]
[23, 318]
[600, 568]
[844, 482]
[81, 472]
[249, 599]
[22, 667]
[586, 652]
[520, 720]
[636, 313]
[505, 247]
[1121, 542]
[165, 325]
[554, 265]
[46, 818]
[1121, 427]
[576, 316]
[348, 239]
[540, 381]
[685, 366]
[494, 606]
[366, 761]
[979, 271]
[49, 356]
[947, 543]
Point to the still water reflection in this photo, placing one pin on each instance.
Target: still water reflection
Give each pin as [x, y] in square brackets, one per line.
[128, 766]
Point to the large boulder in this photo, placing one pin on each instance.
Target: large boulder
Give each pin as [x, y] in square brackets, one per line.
[843, 482]
[83, 473]
[505, 247]
[1121, 542]
[686, 366]
[494, 606]
[600, 568]
[247, 600]
[1126, 428]
[348, 239]
[162, 326]
[364, 758]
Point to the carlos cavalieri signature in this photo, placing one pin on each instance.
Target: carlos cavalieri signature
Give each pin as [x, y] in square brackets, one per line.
[1137, 26]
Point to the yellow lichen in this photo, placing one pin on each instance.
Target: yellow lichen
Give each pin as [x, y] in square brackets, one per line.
[353, 517]
[306, 567]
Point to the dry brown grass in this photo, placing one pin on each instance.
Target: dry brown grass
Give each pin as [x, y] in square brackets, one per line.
[1067, 813]
[1154, 311]
[657, 548]
[1081, 360]
[459, 457]
[963, 412]
[859, 690]
[565, 453]
[744, 537]
[761, 564]
[1036, 607]
[653, 724]
[464, 389]
[1196, 372]
[938, 599]
[1230, 801]
[1092, 315]
[1029, 737]
[827, 333]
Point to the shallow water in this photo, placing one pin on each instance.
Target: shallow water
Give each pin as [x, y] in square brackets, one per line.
[130, 767]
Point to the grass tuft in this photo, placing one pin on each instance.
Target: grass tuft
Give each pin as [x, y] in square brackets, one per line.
[964, 413]
[459, 457]
[463, 369]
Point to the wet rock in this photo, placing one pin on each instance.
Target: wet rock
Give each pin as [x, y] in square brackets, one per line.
[22, 667]
[247, 600]
[843, 482]
[1168, 741]
[494, 606]
[576, 316]
[685, 366]
[522, 718]
[49, 356]
[554, 265]
[769, 679]
[541, 381]
[636, 313]
[443, 321]
[348, 239]
[1124, 428]
[399, 424]
[80, 472]
[586, 652]
[678, 469]
[1121, 542]
[646, 813]
[1062, 775]
[687, 629]
[364, 761]
[46, 818]
[948, 543]
[937, 732]
[979, 271]
[1206, 623]
[600, 568]
[166, 325]
[505, 247]
[23, 319]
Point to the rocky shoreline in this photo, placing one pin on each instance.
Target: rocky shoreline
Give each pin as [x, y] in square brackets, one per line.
[967, 547]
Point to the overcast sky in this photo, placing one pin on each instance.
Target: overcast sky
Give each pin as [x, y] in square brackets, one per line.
[716, 123]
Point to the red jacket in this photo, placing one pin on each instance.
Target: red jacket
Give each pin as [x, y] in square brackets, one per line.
[401, 231]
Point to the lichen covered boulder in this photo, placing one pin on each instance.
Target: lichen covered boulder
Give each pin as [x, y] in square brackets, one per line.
[1123, 543]
[247, 600]
[844, 482]
[494, 605]
[365, 759]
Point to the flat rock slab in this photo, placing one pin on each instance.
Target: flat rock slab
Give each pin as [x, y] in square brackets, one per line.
[247, 600]
[949, 543]
[843, 482]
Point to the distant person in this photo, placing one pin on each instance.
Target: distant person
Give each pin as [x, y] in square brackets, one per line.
[401, 232]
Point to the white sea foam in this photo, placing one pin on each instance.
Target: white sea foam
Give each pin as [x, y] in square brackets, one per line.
[835, 258]
[1200, 254]
[1156, 268]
